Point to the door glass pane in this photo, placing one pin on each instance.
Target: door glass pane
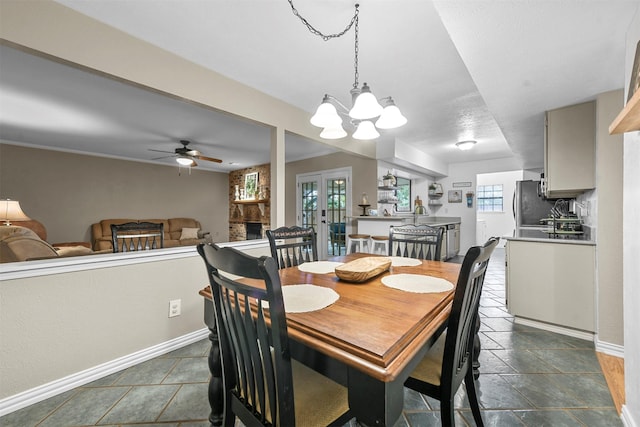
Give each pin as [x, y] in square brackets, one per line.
[309, 198]
[336, 215]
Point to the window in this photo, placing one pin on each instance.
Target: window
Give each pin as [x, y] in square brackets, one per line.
[403, 193]
[490, 198]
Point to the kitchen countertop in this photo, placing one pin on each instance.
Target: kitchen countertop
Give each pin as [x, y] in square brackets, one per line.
[551, 240]
[422, 219]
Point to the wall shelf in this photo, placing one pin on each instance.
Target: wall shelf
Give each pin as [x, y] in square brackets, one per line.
[629, 118]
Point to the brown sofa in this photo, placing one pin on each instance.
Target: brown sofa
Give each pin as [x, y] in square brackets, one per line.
[173, 232]
[23, 244]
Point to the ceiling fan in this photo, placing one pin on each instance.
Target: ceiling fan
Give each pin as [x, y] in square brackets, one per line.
[185, 156]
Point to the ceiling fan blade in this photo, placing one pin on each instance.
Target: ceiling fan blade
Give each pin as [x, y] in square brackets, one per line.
[163, 157]
[210, 159]
[192, 153]
[161, 151]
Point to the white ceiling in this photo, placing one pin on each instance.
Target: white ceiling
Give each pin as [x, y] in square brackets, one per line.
[483, 70]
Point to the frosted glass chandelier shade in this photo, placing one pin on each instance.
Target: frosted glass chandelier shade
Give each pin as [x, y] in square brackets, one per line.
[365, 131]
[185, 161]
[390, 118]
[366, 105]
[326, 115]
[335, 132]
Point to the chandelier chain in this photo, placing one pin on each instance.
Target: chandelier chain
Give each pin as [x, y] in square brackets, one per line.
[317, 32]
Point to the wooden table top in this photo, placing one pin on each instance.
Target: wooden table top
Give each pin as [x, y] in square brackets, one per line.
[372, 327]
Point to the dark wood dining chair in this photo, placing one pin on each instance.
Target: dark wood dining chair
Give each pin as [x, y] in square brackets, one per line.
[263, 386]
[291, 246]
[416, 241]
[449, 361]
[137, 236]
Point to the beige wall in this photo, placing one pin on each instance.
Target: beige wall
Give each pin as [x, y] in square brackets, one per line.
[68, 192]
[57, 325]
[364, 173]
[609, 221]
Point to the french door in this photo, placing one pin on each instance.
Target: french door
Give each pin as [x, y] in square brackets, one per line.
[324, 203]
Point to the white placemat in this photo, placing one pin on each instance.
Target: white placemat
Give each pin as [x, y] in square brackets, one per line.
[398, 261]
[303, 298]
[319, 267]
[418, 283]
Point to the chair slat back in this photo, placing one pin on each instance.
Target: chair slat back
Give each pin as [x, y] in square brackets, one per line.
[415, 241]
[291, 246]
[254, 347]
[137, 236]
[460, 328]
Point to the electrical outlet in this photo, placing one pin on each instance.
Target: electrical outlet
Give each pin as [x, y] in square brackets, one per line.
[175, 307]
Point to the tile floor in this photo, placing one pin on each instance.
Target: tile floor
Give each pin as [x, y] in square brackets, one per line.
[529, 377]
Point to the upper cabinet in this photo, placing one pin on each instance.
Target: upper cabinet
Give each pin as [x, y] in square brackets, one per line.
[569, 150]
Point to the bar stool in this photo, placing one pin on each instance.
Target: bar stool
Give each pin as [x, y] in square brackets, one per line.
[359, 240]
[380, 245]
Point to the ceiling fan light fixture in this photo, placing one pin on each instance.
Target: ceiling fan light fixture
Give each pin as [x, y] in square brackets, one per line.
[465, 145]
[184, 161]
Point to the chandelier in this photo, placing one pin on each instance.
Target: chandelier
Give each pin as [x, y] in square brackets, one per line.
[366, 114]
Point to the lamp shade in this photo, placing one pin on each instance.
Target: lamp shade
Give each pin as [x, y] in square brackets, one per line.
[333, 132]
[391, 118]
[10, 211]
[465, 145]
[366, 130]
[326, 115]
[366, 105]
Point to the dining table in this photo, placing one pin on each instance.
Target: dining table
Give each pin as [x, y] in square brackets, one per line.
[369, 339]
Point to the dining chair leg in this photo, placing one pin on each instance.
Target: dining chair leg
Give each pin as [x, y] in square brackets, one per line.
[472, 395]
[446, 413]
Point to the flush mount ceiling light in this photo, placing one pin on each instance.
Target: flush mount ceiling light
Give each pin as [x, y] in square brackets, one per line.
[366, 108]
[465, 145]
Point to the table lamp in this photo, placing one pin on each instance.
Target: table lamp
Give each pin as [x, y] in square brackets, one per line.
[10, 211]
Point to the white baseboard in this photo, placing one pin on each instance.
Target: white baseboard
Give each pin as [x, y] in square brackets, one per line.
[610, 349]
[555, 328]
[627, 420]
[53, 388]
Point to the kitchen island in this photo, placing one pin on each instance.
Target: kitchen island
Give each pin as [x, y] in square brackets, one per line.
[550, 284]
[379, 226]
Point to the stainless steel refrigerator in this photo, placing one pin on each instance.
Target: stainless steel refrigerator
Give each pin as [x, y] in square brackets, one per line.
[529, 207]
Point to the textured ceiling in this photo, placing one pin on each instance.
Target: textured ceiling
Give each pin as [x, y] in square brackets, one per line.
[483, 70]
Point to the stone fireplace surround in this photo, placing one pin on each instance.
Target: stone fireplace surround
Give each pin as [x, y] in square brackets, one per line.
[248, 211]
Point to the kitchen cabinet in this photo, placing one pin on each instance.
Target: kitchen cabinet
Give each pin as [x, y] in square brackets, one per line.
[552, 282]
[569, 150]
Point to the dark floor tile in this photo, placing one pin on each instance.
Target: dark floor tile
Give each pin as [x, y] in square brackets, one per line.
[494, 418]
[487, 343]
[431, 418]
[491, 302]
[523, 361]
[575, 360]
[543, 392]
[598, 417]
[510, 340]
[150, 372]
[496, 393]
[189, 370]
[493, 312]
[591, 389]
[105, 381]
[491, 364]
[86, 407]
[498, 324]
[143, 404]
[548, 418]
[190, 403]
[197, 349]
[33, 414]
[413, 401]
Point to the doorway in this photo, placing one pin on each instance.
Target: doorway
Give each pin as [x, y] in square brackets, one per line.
[324, 202]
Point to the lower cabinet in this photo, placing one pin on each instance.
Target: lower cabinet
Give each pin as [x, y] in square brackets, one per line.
[552, 283]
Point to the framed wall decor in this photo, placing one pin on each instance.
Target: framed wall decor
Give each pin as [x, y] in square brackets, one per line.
[250, 185]
[455, 196]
